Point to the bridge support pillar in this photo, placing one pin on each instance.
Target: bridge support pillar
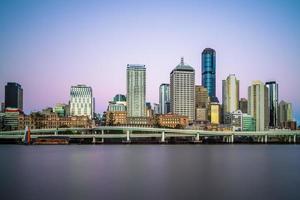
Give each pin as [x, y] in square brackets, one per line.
[197, 138]
[102, 133]
[232, 139]
[94, 140]
[127, 136]
[163, 136]
[290, 139]
[266, 139]
[55, 133]
[295, 139]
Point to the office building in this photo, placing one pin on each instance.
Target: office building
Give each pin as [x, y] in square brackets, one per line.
[273, 103]
[164, 98]
[156, 110]
[201, 114]
[258, 105]
[136, 90]
[182, 90]
[209, 71]
[118, 104]
[201, 97]
[285, 113]
[243, 105]
[237, 120]
[61, 109]
[230, 96]
[248, 123]
[214, 113]
[81, 101]
[13, 96]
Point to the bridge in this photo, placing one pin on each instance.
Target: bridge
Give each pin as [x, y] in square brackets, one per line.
[99, 134]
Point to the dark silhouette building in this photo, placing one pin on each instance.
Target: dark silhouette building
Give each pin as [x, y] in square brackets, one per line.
[13, 96]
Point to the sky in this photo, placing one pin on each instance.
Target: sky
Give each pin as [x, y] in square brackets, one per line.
[48, 46]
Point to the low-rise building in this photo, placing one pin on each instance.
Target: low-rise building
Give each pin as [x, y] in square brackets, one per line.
[140, 121]
[116, 118]
[11, 119]
[249, 123]
[237, 120]
[173, 121]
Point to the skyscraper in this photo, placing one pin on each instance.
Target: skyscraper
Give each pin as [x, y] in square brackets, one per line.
[243, 105]
[285, 113]
[209, 72]
[81, 101]
[258, 104]
[136, 90]
[13, 96]
[273, 103]
[201, 96]
[230, 96]
[164, 98]
[182, 88]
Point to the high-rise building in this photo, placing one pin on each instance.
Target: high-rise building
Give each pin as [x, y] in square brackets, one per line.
[182, 88]
[243, 105]
[230, 96]
[164, 98]
[136, 90]
[258, 105]
[285, 113]
[201, 96]
[214, 113]
[13, 96]
[156, 108]
[209, 71]
[273, 103]
[81, 101]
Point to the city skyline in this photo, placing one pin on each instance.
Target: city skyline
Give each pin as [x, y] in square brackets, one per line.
[28, 54]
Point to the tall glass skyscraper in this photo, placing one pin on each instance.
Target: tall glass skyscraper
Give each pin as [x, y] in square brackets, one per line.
[273, 103]
[13, 96]
[209, 71]
[164, 98]
[136, 90]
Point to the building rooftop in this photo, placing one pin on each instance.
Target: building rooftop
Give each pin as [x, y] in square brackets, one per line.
[183, 67]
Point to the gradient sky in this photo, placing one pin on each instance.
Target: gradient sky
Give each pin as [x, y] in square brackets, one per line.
[47, 46]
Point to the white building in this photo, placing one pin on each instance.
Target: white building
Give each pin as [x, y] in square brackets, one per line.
[230, 95]
[136, 90]
[258, 104]
[81, 101]
[182, 90]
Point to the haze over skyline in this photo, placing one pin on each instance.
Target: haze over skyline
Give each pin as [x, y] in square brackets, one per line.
[48, 46]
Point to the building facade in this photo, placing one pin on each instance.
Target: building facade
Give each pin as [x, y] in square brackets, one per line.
[209, 71]
[285, 113]
[164, 98]
[81, 101]
[201, 97]
[243, 105]
[214, 113]
[258, 105]
[173, 121]
[273, 103]
[248, 123]
[13, 96]
[230, 96]
[182, 90]
[136, 90]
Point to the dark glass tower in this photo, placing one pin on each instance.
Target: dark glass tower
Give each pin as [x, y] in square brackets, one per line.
[209, 72]
[273, 103]
[13, 96]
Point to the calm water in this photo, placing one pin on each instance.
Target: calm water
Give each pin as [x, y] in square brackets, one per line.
[150, 172]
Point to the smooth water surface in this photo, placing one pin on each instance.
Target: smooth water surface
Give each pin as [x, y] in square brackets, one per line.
[150, 172]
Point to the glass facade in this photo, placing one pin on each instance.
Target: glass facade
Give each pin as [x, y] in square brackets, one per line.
[209, 71]
[273, 103]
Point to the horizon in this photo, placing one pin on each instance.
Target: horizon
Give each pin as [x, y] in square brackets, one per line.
[49, 46]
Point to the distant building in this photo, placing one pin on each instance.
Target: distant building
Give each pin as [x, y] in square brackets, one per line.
[215, 113]
[258, 105]
[116, 118]
[230, 96]
[243, 105]
[292, 125]
[2, 107]
[201, 96]
[248, 123]
[285, 113]
[140, 121]
[164, 98]
[136, 90]
[61, 109]
[13, 96]
[273, 103]
[81, 103]
[11, 119]
[118, 104]
[182, 88]
[237, 120]
[173, 121]
[149, 110]
[209, 71]
[156, 109]
[2, 115]
[201, 114]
